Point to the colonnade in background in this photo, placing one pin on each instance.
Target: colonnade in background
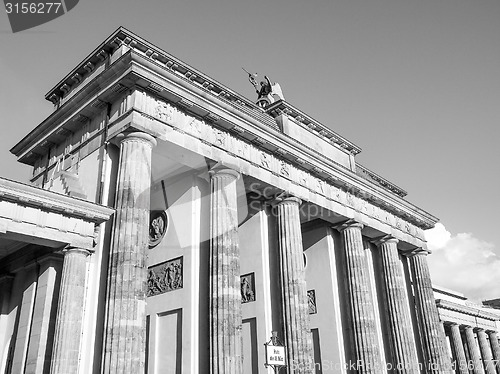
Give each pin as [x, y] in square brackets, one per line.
[474, 350]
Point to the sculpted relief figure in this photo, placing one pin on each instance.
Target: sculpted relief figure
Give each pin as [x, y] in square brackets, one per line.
[246, 291]
[173, 276]
[311, 297]
[153, 284]
[157, 227]
[163, 111]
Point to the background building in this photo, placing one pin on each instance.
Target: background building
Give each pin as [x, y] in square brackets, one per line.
[471, 332]
[230, 219]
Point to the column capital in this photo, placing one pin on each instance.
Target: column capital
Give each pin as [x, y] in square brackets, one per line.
[70, 250]
[134, 136]
[460, 326]
[418, 252]
[348, 225]
[286, 198]
[385, 239]
[222, 170]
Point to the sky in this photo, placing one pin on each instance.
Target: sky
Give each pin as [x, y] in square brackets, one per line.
[415, 84]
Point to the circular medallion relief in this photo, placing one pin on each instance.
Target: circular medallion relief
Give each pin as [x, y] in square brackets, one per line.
[158, 222]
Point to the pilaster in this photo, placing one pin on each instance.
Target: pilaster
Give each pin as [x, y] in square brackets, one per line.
[363, 347]
[226, 339]
[6, 282]
[124, 350]
[44, 314]
[432, 337]
[395, 302]
[297, 329]
[69, 322]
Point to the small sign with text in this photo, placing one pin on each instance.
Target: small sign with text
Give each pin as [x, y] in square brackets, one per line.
[275, 355]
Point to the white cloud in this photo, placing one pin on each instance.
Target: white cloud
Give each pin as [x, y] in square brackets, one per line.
[464, 263]
[437, 237]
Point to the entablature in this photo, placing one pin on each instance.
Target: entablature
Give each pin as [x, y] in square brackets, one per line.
[375, 178]
[33, 215]
[453, 313]
[29, 196]
[141, 67]
[465, 309]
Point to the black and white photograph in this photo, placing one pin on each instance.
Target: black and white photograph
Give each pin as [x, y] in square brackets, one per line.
[249, 187]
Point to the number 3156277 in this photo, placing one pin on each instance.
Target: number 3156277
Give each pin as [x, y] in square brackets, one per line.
[23, 8]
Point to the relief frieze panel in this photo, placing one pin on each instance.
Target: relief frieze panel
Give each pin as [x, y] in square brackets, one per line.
[247, 288]
[230, 143]
[284, 168]
[311, 301]
[163, 111]
[165, 277]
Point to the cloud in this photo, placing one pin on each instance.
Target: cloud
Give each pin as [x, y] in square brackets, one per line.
[464, 263]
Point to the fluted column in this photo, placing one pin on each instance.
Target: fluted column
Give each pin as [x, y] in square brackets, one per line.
[395, 302]
[69, 320]
[458, 349]
[364, 347]
[495, 347]
[298, 339]
[124, 350]
[226, 339]
[475, 365]
[486, 353]
[432, 337]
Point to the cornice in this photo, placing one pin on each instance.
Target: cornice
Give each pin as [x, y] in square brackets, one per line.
[448, 292]
[370, 175]
[444, 304]
[323, 132]
[124, 37]
[68, 117]
[26, 195]
[137, 47]
[313, 126]
[84, 68]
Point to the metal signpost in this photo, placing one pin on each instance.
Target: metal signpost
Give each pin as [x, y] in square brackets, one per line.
[275, 353]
